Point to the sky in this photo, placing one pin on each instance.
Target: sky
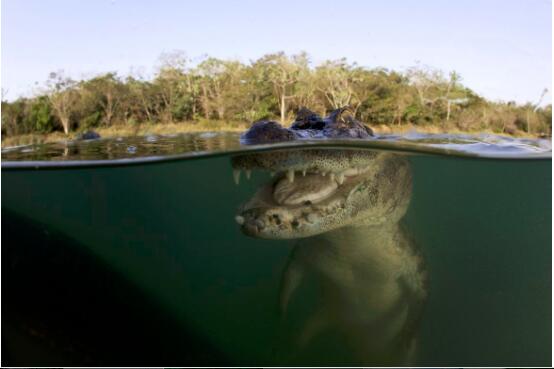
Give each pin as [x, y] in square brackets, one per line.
[502, 49]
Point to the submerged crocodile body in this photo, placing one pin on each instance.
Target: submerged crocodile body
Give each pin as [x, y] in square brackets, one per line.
[344, 207]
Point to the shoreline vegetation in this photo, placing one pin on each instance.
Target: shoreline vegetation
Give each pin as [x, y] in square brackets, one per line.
[228, 95]
[210, 126]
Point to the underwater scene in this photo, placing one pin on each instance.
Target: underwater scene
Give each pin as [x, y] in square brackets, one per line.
[201, 249]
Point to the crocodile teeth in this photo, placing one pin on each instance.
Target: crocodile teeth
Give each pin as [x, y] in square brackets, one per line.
[236, 176]
[303, 172]
[305, 189]
[248, 173]
[332, 176]
[351, 172]
[239, 219]
[290, 175]
[323, 174]
[340, 178]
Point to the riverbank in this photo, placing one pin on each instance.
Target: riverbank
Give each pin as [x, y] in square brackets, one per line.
[129, 130]
[208, 126]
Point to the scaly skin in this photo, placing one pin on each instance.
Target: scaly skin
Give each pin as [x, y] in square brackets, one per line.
[344, 207]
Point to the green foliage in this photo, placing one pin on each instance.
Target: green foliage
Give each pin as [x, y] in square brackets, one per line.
[90, 121]
[13, 115]
[39, 116]
[272, 87]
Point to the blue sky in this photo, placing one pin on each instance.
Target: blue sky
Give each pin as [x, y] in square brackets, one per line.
[502, 49]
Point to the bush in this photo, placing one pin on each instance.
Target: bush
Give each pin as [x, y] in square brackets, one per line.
[39, 117]
[91, 120]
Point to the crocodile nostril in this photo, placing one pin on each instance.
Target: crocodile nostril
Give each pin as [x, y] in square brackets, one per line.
[295, 224]
[276, 218]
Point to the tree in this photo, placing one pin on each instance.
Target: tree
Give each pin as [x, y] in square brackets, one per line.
[251, 97]
[433, 88]
[63, 96]
[335, 82]
[534, 108]
[13, 115]
[221, 85]
[143, 102]
[177, 87]
[106, 91]
[213, 76]
[379, 96]
[267, 88]
[39, 116]
[283, 73]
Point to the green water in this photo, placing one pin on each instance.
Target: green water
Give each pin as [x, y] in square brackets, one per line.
[150, 259]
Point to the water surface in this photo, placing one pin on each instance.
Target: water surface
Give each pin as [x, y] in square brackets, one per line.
[152, 148]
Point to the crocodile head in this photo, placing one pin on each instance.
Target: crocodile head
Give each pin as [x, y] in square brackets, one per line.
[308, 124]
[318, 190]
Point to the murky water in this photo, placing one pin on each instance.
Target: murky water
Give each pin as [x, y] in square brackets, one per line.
[144, 251]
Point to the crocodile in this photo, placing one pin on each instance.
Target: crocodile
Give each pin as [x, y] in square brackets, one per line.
[344, 208]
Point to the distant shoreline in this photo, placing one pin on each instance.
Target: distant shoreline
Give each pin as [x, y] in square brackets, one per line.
[219, 94]
[125, 130]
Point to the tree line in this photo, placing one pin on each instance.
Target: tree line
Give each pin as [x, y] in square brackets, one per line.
[271, 87]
